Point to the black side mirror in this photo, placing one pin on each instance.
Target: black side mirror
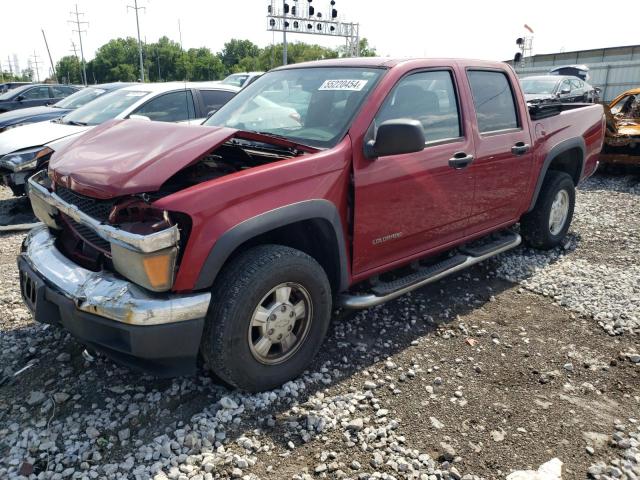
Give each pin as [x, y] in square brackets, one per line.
[395, 137]
[19, 98]
[565, 91]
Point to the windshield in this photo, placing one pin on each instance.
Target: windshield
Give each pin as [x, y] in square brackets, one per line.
[312, 106]
[80, 98]
[237, 79]
[104, 108]
[11, 93]
[539, 85]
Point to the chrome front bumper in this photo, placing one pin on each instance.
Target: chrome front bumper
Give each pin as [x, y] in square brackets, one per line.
[102, 293]
[46, 205]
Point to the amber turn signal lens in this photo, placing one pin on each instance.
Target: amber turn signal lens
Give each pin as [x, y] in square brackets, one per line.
[157, 269]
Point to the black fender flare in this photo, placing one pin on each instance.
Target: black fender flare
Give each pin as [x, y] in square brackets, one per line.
[267, 221]
[565, 145]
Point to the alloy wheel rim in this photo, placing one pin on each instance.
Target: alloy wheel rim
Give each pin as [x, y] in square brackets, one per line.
[280, 323]
[559, 212]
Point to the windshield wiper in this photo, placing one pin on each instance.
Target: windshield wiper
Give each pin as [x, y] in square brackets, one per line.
[78, 124]
[282, 137]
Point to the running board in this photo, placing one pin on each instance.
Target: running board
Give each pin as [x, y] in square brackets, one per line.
[385, 291]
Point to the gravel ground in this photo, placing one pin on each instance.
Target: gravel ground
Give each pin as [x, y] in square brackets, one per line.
[530, 359]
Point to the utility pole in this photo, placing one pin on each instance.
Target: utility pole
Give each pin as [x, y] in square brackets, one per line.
[53, 67]
[184, 65]
[158, 61]
[36, 62]
[74, 49]
[79, 30]
[136, 8]
[9, 62]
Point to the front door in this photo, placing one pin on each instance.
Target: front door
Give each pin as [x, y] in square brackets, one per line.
[504, 160]
[35, 96]
[412, 203]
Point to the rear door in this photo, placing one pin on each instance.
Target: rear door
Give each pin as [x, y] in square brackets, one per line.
[212, 100]
[502, 140]
[58, 92]
[408, 204]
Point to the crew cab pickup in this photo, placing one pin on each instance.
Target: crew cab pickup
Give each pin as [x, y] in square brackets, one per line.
[339, 183]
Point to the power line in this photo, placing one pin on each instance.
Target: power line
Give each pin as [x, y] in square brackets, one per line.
[136, 8]
[79, 31]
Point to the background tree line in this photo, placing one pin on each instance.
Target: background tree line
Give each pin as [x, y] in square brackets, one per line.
[165, 60]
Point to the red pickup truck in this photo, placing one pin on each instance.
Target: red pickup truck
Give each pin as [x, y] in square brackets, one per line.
[340, 183]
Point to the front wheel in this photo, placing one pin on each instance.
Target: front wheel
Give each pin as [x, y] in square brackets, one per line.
[270, 310]
[547, 224]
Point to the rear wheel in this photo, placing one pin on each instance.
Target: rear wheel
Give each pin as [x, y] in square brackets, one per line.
[548, 223]
[269, 313]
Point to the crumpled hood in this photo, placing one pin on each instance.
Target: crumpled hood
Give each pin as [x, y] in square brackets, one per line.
[27, 114]
[35, 135]
[124, 157]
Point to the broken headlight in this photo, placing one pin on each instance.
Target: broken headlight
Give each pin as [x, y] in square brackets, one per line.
[24, 159]
[152, 270]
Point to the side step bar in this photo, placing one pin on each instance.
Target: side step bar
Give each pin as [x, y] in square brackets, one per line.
[385, 291]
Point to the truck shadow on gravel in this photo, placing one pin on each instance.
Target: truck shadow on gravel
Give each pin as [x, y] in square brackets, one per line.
[16, 211]
[111, 399]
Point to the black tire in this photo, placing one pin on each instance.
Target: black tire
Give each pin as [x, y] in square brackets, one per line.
[238, 291]
[534, 226]
[18, 190]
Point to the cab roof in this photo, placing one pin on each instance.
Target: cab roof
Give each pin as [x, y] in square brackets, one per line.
[387, 62]
[160, 87]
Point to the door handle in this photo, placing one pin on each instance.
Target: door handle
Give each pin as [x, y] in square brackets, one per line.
[460, 160]
[520, 148]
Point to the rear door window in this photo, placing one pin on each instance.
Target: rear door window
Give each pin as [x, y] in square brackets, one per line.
[493, 100]
[214, 99]
[170, 107]
[61, 92]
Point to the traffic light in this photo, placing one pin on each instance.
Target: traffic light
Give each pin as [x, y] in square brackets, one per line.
[517, 57]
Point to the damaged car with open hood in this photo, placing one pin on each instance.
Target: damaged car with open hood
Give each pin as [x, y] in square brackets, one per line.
[622, 138]
[337, 183]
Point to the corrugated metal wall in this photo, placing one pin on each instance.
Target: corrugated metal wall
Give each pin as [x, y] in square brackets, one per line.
[614, 69]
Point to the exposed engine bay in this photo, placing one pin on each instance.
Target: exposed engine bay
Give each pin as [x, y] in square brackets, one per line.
[233, 156]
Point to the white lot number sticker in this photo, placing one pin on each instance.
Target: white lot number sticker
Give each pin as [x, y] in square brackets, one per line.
[350, 85]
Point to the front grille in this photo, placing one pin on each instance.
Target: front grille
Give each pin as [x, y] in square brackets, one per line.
[89, 235]
[98, 209]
